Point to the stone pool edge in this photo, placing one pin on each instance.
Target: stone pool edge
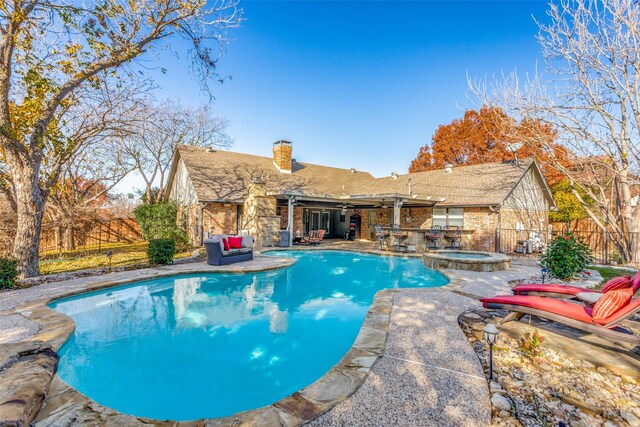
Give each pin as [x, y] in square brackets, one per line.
[301, 407]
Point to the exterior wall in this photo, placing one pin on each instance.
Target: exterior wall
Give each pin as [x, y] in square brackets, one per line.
[297, 218]
[480, 225]
[188, 219]
[259, 216]
[528, 195]
[218, 218]
[182, 191]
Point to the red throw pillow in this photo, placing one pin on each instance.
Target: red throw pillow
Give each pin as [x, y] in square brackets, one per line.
[610, 303]
[617, 283]
[235, 242]
[225, 243]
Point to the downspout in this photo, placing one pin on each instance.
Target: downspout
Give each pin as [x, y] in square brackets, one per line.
[496, 209]
[200, 224]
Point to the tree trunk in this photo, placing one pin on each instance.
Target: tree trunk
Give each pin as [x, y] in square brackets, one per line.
[69, 238]
[30, 209]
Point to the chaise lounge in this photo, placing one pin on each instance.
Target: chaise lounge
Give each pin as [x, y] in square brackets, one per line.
[219, 253]
[571, 292]
[567, 313]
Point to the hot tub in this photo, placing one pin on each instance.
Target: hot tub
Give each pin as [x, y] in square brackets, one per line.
[466, 260]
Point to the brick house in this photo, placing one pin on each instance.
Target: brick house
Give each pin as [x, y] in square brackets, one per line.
[226, 192]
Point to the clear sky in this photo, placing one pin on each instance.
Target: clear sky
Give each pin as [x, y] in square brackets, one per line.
[359, 84]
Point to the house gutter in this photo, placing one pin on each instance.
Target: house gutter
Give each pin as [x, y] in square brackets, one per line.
[497, 209]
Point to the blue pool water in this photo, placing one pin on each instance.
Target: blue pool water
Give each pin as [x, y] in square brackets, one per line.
[463, 255]
[209, 345]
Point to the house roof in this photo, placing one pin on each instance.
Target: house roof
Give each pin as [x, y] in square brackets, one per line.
[224, 176]
[483, 184]
[219, 175]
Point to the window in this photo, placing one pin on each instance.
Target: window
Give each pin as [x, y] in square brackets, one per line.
[448, 217]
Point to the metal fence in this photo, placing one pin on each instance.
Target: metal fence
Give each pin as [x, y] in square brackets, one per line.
[601, 244]
[93, 239]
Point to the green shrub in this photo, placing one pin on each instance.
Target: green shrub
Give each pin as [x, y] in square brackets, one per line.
[159, 221]
[8, 273]
[566, 256]
[161, 251]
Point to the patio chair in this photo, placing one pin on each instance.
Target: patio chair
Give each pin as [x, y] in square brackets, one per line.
[567, 292]
[313, 234]
[567, 313]
[316, 238]
[453, 237]
[399, 237]
[433, 236]
[381, 236]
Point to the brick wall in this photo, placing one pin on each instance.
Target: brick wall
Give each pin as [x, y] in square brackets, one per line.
[480, 225]
[297, 218]
[282, 152]
[218, 218]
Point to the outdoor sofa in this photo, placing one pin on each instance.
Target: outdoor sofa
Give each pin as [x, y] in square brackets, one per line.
[217, 255]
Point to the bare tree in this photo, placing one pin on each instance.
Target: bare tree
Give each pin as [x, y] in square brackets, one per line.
[589, 92]
[49, 50]
[167, 126]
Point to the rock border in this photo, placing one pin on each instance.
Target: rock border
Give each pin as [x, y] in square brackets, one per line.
[336, 385]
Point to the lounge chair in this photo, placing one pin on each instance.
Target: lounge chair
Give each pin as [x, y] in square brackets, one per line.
[564, 291]
[317, 238]
[567, 313]
[313, 235]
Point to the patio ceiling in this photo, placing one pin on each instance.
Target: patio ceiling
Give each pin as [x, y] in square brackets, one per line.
[358, 201]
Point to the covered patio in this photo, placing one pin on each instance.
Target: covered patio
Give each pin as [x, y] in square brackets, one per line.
[356, 217]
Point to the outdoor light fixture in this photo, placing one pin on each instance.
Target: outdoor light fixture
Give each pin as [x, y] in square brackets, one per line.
[490, 333]
[544, 273]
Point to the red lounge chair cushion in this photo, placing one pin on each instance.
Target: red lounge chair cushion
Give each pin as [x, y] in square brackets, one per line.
[235, 242]
[635, 282]
[610, 303]
[225, 244]
[559, 289]
[551, 305]
[617, 283]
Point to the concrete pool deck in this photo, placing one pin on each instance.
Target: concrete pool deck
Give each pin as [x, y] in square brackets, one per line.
[427, 373]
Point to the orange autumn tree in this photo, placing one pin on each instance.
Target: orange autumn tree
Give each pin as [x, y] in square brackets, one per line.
[482, 137]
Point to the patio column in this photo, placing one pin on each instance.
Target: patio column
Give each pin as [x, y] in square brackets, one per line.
[290, 204]
[397, 204]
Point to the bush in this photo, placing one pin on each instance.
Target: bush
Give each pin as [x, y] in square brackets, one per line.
[159, 221]
[566, 257]
[8, 273]
[161, 251]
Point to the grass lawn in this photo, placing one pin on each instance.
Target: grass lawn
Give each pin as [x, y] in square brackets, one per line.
[123, 254]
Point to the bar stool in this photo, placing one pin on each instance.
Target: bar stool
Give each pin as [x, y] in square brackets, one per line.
[433, 236]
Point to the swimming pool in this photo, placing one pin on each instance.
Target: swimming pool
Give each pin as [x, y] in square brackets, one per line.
[209, 345]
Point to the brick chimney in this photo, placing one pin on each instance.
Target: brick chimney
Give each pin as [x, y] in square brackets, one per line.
[282, 151]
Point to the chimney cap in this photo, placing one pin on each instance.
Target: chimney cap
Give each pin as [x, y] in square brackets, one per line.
[394, 175]
[448, 168]
[282, 142]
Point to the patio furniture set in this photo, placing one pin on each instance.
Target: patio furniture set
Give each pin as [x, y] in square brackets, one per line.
[397, 239]
[605, 313]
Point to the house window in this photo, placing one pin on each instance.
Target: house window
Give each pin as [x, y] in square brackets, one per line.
[343, 217]
[448, 217]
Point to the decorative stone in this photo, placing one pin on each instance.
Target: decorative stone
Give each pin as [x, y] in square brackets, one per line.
[26, 370]
[500, 402]
[630, 418]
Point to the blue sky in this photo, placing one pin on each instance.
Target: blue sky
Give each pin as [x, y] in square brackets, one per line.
[357, 84]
